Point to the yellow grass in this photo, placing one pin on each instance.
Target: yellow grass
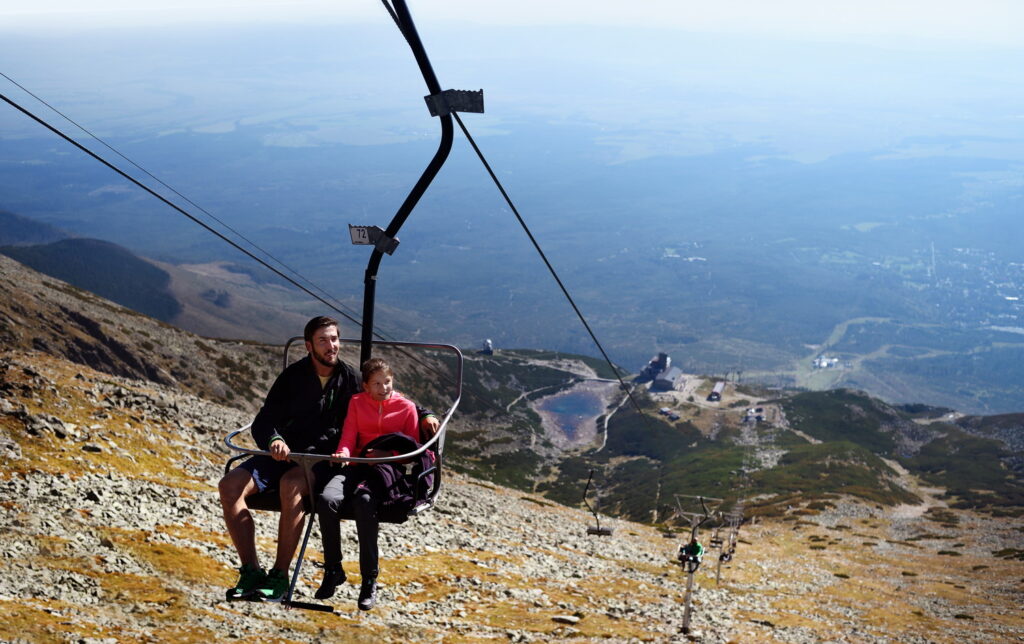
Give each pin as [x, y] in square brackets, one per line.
[44, 621]
[182, 563]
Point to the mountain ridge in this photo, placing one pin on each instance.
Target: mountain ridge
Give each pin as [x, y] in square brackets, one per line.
[17, 230]
[813, 445]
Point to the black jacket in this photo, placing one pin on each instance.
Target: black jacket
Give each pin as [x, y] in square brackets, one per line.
[306, 416]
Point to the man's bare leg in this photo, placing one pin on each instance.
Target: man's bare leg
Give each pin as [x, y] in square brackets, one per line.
[289, 528]
[234, 488]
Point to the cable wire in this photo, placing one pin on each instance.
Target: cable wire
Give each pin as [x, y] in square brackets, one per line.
[294, 282]
[551, 268]
[180, 195]
[394, 16]
[176, 207]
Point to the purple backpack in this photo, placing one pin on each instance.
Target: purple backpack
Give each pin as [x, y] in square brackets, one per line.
[401, 487]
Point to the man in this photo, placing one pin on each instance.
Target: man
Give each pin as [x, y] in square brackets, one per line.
[303, 411]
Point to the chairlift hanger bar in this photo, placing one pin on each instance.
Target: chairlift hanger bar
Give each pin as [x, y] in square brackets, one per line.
[442, 104]
[447, 101]
[475, 103]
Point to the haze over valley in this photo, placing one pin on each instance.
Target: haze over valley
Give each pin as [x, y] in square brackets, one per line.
[746, 201]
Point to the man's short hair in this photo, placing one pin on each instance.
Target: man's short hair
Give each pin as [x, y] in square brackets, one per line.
[316, 323]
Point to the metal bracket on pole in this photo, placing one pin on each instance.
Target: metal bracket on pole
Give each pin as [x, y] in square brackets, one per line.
[455, 100]
[373, 236]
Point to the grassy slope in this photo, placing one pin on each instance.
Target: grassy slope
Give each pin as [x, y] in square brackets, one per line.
[646, 462]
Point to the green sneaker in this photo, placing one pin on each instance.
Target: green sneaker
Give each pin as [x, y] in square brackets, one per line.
[250, 578]
[274, 586]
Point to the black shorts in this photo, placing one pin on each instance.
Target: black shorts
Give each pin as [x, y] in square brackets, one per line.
[267, 472]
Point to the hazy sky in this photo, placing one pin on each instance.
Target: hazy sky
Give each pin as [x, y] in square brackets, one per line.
[811, 77]
[986, 22]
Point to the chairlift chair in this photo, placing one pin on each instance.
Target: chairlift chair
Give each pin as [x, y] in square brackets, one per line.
[597, 529]
[269, 500]
[442, 104]
[716, 540]
[691, 558]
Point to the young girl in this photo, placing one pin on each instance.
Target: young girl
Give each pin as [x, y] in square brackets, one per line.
[378, 410]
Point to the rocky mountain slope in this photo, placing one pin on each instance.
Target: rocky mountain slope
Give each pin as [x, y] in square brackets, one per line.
[112, 533]
[48, 315]
[111, 429]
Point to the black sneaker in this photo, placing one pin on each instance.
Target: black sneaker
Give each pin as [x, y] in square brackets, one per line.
[332, 579]
[368, 594]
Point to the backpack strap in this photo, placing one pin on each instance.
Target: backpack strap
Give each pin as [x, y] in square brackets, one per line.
[396, 441]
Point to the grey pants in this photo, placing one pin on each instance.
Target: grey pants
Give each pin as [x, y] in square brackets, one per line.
[344, 490]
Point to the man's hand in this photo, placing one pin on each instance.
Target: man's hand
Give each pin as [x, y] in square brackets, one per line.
[279, 451]
[429, 427]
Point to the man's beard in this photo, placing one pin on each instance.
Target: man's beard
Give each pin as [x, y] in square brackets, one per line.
[323, 360]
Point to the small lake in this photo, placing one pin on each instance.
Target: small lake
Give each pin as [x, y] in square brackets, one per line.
[572, 409]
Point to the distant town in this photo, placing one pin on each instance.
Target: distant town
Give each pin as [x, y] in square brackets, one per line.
[973, 288]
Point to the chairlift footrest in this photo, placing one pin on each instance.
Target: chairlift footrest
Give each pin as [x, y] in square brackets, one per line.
[256, 599]
[323, 608]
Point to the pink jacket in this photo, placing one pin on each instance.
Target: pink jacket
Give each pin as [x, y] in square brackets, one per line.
[368, 418]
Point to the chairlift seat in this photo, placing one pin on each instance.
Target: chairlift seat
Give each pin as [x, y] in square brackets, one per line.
[604, 532]
[269, 500]
[690, 562]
